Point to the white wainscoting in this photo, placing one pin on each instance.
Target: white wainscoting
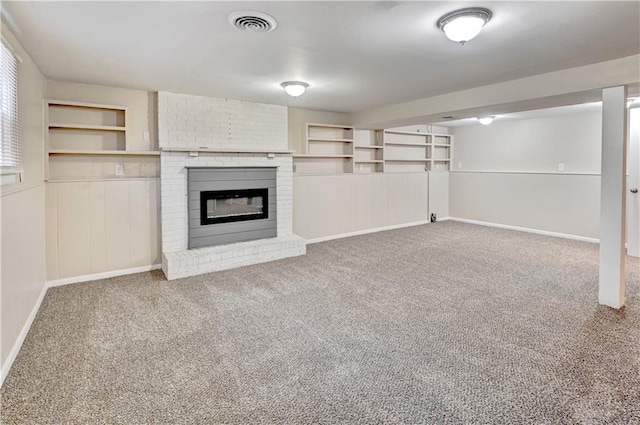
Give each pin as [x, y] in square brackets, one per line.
[101, 226]
[329, 205]
[567, 204]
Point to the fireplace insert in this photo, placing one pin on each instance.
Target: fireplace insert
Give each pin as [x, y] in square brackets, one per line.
[226, 206]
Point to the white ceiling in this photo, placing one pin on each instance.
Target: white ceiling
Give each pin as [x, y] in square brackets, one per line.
[526, 115]
[355, 55]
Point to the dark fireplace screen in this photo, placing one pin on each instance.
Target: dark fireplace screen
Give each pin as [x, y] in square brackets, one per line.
[226, 206]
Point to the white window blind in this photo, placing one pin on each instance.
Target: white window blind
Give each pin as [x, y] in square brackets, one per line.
[10, 149]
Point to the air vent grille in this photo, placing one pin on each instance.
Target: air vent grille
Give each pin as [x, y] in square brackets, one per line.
[252, 21]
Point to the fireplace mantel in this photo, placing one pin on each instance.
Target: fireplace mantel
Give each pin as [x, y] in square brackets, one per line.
[218, 150]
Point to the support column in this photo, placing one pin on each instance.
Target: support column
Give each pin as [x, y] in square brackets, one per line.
[613, 197]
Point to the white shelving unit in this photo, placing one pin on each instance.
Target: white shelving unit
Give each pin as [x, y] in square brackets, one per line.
[329, 150]
[441, 152]
[85, 126]
[369, 151]
[407, 151]
[82, 137]
[332, 149]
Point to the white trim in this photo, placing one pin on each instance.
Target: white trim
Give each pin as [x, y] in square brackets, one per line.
[526, 229]
[552, 173]
[6, 366]
[364, 232]
[104, 275]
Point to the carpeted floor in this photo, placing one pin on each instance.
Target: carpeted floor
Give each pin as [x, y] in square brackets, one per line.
[446, 323]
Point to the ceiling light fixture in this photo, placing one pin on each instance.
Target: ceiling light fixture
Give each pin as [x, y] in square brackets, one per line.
[294, 88]
[464, 24]
[486, 120]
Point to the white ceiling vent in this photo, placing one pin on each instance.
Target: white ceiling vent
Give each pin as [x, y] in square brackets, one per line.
[251, 21]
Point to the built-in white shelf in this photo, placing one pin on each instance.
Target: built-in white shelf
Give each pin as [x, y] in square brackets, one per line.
[322, 156]
[315, 139]
[408, 133]
[101, 152]
[371, 151]
[407, 160]
[423, 145]
[99, 179]
[63, 126]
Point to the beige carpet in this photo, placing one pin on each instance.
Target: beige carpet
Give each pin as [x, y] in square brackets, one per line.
[446, 323]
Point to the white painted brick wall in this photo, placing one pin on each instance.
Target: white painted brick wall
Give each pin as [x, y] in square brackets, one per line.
[173, 190]
[196, 122]
[186, 121]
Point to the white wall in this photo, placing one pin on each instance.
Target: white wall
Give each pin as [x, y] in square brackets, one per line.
[537, 144]
[510, 176]
[22, 278]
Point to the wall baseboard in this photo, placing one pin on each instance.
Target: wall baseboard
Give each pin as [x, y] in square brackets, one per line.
[6, 366]
[365, 231]
[526, 229]
[104, 275]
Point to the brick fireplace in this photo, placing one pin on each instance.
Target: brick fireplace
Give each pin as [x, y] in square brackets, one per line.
[204, 133]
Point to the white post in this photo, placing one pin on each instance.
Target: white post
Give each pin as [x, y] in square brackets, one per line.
[633, 183]
[613, 197]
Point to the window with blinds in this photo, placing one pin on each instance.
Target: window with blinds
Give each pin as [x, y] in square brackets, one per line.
[10, 150]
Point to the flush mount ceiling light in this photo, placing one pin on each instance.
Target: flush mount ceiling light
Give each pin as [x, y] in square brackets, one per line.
[294, 88]
[486, 120]
[464, 24]
[252, 21]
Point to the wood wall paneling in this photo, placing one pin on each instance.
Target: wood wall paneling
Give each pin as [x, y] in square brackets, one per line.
[97, 230]
[51, 230]
[74, 258]
[117, 225]
[101, 226]
[334, 205]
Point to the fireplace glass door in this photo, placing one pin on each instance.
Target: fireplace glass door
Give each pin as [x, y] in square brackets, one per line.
[226, 206]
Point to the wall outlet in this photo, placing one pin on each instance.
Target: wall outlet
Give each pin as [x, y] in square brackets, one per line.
[561, 166]
[119, 170]
[145, 136]
[459, 164]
